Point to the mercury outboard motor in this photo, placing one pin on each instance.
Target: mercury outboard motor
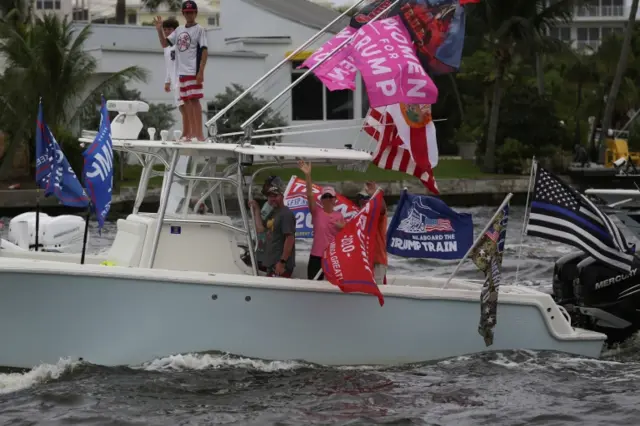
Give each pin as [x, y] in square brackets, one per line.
[598, 297]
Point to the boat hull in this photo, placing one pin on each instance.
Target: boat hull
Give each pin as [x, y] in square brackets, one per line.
[111, 316]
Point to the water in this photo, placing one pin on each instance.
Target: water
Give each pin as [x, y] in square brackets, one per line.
[503, 388]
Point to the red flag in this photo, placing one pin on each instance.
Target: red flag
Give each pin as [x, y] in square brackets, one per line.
[348, 261]
[390, 154]
[469, 1]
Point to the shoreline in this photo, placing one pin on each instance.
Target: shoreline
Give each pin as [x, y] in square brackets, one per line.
[454, 192]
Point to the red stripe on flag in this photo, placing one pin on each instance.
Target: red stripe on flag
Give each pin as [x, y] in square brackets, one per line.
[390, 155]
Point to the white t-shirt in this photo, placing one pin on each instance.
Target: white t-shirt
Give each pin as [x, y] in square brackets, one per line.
[170, 63]
[188, 42]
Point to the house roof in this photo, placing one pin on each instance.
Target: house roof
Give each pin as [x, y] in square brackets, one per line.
[303, 11]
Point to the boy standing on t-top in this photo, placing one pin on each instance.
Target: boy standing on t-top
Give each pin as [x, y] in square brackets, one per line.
[171, 82]
[190, 41]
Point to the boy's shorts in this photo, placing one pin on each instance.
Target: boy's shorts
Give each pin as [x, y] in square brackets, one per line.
[189, 89]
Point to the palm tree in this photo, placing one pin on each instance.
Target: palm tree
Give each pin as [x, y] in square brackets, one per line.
[513, 28]
[46, 60]
[617, 79]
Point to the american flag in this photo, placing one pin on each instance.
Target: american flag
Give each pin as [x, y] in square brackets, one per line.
[493, 235]
[389, 155]
[559, 213]
[438, 225]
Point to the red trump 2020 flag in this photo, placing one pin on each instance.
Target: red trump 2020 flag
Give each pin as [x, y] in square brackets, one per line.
[348, 261]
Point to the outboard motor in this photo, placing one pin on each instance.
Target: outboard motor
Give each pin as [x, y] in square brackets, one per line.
[609, 298]
[565, 272]
[597, 297]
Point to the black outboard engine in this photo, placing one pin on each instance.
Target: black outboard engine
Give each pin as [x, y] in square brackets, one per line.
[598, 297]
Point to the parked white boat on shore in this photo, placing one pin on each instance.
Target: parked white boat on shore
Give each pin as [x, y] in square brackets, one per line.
[180, 285]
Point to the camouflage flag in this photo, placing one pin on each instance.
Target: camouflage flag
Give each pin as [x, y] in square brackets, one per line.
[487, 255]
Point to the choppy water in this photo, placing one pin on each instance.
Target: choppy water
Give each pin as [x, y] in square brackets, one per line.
[503, 388]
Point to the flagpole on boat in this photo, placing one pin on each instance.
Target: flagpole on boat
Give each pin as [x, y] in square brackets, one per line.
[475, 243]
[532, 175]
[269, 73]
[37, 217]
[86, 234]
[293, 84]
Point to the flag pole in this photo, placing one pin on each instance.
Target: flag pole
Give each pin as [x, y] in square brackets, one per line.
[86, 234]
[532, 175]
[37, 218]
[475, 243]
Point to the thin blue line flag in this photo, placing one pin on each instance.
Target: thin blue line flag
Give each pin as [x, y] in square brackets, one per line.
[53, 171]
[98, 168]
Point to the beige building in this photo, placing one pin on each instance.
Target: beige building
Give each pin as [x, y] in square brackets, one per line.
[104, 11]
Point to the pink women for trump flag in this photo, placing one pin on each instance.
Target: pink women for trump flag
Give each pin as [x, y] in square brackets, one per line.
[338, 72]
[386, 57]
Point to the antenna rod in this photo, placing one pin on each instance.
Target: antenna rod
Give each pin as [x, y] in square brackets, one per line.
[255, 116]
[269, 73]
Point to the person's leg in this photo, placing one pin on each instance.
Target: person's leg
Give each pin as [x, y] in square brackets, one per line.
[184, 123]
[379, 271]
[315, 265]
[190, 119]
[197, 119]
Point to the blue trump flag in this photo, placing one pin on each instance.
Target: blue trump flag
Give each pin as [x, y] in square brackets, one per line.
[425, 227]
[98, 168]
[53, 171]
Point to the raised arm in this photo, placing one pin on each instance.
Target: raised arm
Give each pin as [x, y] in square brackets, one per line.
[158, 23]
[311, 200]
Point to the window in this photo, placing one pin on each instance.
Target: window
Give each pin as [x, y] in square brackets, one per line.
[563, 33]
[47, 4]
[132, 18]
[608, 31]
[310, 100]
[80, 14]
[214, 21]
[365, 100]
[56, 4]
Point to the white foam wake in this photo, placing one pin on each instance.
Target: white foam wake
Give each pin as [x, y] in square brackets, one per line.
[217, 361]
[13, 382]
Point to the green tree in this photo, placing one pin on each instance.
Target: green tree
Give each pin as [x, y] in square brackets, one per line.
[618, 78]
[47, 60]
[512, 29]
[244, 109]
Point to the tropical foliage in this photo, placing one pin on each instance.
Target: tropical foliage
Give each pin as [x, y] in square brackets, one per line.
[45, 58]
[244, 109]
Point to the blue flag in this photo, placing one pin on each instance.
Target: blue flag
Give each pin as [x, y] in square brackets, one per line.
[425, 227]
[98, 168]
[53, 171]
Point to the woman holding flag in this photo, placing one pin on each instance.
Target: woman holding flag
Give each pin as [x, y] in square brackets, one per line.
[326, 222]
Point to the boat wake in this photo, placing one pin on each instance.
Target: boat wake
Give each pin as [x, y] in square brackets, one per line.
[621, 357]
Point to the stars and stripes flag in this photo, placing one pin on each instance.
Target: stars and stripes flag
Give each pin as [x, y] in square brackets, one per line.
[487, 256]
[391, 154]
[440, 225]
[560, 213]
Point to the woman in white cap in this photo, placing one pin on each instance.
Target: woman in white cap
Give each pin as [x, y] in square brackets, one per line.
[326, 222]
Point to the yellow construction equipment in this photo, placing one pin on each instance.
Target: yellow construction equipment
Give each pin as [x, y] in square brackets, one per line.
[619, 148]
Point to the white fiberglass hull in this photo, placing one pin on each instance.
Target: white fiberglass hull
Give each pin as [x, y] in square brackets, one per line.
[126, 316]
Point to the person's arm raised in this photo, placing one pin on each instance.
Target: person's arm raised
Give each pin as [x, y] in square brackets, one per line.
[311, 200]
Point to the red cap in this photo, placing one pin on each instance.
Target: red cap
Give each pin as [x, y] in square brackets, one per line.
[190, 6]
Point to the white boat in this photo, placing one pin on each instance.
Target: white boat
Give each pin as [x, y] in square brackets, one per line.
[181, 285]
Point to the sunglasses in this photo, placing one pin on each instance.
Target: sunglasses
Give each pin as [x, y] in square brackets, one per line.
[326, 196]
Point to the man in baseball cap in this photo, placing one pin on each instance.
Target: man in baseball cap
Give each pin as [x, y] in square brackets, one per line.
[280, 242]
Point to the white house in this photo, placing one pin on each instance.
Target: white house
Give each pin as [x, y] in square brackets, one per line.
[253, 37]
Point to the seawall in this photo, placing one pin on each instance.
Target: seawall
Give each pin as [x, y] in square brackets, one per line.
[455, 192]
